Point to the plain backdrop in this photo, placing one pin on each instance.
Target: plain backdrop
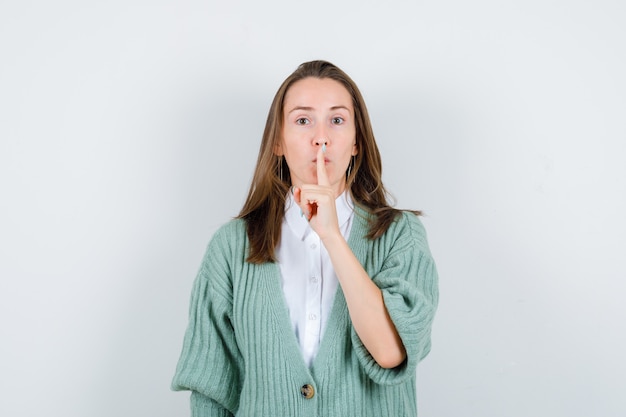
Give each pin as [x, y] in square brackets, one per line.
[128, 134]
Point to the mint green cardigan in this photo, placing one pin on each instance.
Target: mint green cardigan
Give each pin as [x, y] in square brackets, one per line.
[240, 356]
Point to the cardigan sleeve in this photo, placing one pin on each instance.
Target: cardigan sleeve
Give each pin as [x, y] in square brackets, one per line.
[409, 283]
[210, 362]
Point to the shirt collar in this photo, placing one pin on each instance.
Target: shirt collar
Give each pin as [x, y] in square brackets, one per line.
[299, 225]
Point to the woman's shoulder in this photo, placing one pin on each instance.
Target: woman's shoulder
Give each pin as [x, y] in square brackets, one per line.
[408, 227]
[226, 246]
[232, 228]
[229, 236]
[412, 221]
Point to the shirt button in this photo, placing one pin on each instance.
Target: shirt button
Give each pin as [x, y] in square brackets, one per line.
[307, 391]
[312, 316]
[314, 280]
[313, 246]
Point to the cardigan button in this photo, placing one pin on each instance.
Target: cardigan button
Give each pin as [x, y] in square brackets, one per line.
[307, 391]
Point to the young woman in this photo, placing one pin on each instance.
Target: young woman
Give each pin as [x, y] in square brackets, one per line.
[318, 299]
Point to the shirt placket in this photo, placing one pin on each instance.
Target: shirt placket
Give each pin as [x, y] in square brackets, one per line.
[313, 295]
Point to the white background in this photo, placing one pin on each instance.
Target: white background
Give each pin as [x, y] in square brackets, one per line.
[128, 133]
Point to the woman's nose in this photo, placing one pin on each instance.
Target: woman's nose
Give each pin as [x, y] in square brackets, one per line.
[320, 135]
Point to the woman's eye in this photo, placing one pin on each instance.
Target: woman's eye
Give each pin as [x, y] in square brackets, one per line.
[338, 120]
[302, 121]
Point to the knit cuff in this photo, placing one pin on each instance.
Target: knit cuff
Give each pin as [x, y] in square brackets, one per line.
[203, 406]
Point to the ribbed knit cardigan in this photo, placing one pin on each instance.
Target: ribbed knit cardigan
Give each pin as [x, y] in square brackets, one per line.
[240, 355]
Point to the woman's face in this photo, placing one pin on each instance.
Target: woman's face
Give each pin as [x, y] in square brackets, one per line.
[318, 111]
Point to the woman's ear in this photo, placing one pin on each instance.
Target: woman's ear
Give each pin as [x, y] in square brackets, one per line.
[355, 149]
[278, 149]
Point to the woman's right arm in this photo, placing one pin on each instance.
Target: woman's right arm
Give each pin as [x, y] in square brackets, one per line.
[210, 363]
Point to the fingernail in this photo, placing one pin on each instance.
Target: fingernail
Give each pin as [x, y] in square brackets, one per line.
[324, 148]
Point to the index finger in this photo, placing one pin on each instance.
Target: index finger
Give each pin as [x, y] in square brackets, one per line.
[322, 176]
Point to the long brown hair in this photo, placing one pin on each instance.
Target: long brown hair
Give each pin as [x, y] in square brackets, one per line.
[264, 208]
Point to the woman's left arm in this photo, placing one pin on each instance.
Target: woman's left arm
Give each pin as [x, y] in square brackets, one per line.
[366, 306]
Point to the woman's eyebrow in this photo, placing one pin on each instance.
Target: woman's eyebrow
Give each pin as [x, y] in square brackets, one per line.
[301, 108]
[340, 107]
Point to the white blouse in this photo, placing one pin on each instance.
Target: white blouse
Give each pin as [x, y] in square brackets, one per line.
[308, 277]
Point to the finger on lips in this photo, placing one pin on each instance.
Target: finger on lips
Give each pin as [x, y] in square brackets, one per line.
[322, 176]
[305, 196]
